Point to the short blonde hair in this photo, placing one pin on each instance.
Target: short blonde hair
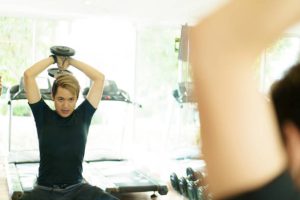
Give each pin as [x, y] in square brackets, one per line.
[66, 81]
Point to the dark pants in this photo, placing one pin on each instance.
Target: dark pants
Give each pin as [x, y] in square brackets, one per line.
[82, 191]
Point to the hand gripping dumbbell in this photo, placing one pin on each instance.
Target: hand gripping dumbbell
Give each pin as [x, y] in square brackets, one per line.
[63, 51]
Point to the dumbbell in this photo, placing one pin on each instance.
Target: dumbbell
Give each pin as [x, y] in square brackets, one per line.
[181, 184]
[194, 192]
[192, 186]
[193, 175]
[197, 188]
[175, 182]
[191, 183]
[198, 192]
[63, 51]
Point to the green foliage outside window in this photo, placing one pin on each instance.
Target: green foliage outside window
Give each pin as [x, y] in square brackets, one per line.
[22, 40]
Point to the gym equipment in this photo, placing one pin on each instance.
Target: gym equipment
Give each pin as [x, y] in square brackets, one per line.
[175, 181]
[23, 166]
[184, 123]
[17, 92]
[183, 186]
[111, 92]
[183, 54]
[195, 175]
[21, 178]
[196, 192]
[54, 72]
[60, 51]
[184, 93]
[192, 186]
[197, 189]
[121, 176]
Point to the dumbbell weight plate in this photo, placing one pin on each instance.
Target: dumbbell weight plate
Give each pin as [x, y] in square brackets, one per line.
[53, 72]
[163, 190]
[62, 51]
[194, 193]
[190, 174]
[193, 175]
[183, 186]
[175, 181]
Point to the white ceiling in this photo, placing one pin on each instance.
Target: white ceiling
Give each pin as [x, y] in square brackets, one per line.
[154, 11]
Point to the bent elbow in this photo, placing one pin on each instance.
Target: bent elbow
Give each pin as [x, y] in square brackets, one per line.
[100, 77]
[26, 74]
[103, 77]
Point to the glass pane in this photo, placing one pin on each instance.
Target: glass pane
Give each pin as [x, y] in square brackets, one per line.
[162, 125]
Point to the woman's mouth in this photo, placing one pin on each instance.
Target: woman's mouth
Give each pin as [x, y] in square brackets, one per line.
[65, 112]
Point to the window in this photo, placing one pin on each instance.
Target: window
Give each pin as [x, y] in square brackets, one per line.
[162, 125]
[278, 58]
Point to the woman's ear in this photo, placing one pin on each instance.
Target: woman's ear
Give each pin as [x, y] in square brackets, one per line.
[292, 136]
[291, 132]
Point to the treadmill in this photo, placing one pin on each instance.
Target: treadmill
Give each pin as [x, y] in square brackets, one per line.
[22, 169]
[115, 174]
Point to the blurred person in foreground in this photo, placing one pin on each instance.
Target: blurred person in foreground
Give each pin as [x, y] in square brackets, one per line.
[245, 156]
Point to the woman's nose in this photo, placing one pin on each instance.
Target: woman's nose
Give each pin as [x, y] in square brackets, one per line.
[65, 103]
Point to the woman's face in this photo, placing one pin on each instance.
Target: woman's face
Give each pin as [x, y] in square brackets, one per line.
[64, 102]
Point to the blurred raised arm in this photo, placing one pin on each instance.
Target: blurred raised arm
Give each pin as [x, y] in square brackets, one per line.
[241, 143]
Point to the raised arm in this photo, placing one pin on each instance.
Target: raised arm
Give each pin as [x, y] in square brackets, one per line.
[241, 142]
[95, 92]
[31, 88]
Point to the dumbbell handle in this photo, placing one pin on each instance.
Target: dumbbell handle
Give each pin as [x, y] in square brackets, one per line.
[63, 53]
[61, 70]
[53, 72]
